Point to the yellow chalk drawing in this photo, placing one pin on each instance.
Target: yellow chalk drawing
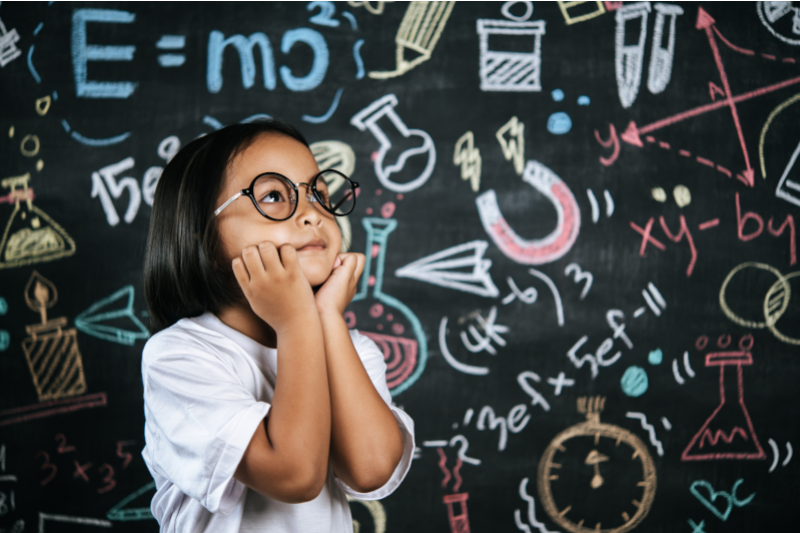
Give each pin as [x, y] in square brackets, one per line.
[30, 235]
[338, 156]
[658, 194]
[682, 195]
[43, 105]
[419, 32]
[32, 151]
[11, 132]
[376, 9]
[514, 146]
[599, 9]
[377, 511]
[775, 112]
[52, 352]
[565, 458]
[778, 293]
[470, 160]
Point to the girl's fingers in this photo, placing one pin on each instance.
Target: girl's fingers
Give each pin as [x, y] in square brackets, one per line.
[240, 273]
[252, 260]
[361, 260]
[288, 257]
[269, 256]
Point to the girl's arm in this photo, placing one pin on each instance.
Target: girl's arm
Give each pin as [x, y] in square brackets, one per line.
[366, 441]
[287, 458]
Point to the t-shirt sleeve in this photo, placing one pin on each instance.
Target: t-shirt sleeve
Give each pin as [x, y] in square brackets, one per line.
[201, 419]
[373, 360]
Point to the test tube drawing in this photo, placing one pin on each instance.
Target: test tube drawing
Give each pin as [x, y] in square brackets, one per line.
[728, 433]
[52, 352]
[660, 68]
[30, 235]
[459, 523]
[628, 58]
[510, 71]
[367, 119]
[419, 32]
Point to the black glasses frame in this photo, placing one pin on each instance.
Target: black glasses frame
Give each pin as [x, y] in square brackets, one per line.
[313, 186]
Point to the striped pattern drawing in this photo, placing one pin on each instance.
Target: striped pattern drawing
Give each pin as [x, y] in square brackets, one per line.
[55, 364]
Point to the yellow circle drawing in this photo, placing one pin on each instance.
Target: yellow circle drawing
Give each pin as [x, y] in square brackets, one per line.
[377, 511]
[562, 458]
[25, 151]
[777, 292]
[771, 316]
[764, 130]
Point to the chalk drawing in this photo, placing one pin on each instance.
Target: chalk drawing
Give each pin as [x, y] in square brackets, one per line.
[360, 72]
[560, 382]
[83, 53]
[367, 119]
[771, 12]
[105, 186]
[376, 9]
[469, 157]
[52, 353]
[513, 147]
[554, 290]
[523, 493]
[172, 43]
[682, 195]
[629, 58]
[329, 113]
[452, 361]
[697, 528]
[528, 296]
[655, 357]
[376, 511]
[419, 31]
[559, 123]
[727, 433]
[505, 10]
[580, 275]
[353, 23]
[30, 235]
[96, 320]
[613, 141]
[596, 206]
[121, 513]
[536, 398]
[324, 17]
[82, 521]
[596, 360]
[634, 381]
[339, 156]
[559, 463]
[8, 45]
[650, 430]
[459, 520]
[598, 9]
[731, 497]
[491, 332]
[501, 70]
[460, 267]
[661, 59]
[534, 251]
[17, 415]
[31, 68]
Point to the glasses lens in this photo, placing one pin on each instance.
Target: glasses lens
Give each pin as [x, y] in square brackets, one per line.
[336, 191]
[275, 196]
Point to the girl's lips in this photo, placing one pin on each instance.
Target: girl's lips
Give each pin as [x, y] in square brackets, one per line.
[313, 246]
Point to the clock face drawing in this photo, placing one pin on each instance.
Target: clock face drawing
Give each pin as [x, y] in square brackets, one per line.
[596, 477]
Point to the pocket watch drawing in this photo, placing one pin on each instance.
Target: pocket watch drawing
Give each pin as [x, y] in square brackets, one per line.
[596, 477]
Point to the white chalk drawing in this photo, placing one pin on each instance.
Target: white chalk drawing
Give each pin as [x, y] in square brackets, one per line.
[787, 189]
[772, 12]
[536, 398]
[8, 45]
[661, 59]
[523, 493]
[83, 522]
[596, 206]
[776, 452]
[628, 59]
[580, 275]
[594, 361]
[167, 149]
[560, 382]
[469, 157]
[676, 371]
[506, 11]
[510, 71]
[534, 251]
[491, 332]
[452, 361]
[367, 119]
[650, 430]
[513, 147]
[553, 289]
[106, 186]
[461, 268]
[527, 296]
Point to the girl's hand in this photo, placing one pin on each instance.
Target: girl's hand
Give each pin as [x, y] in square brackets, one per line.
[338, 290]
[274, 284]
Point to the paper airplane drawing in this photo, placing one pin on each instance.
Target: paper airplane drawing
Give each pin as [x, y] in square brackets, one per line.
[461, 267]
[103, 321]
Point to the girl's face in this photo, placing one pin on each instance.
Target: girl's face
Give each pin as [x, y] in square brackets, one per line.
[312, 231]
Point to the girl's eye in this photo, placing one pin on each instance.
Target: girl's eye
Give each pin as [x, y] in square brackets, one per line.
[272, 197]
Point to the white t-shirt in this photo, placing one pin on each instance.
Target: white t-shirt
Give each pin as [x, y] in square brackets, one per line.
[206, 388]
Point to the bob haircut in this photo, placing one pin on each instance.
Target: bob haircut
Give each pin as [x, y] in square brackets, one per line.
[182, 277]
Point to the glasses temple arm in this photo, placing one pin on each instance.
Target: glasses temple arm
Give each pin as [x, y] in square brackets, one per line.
[226, 204]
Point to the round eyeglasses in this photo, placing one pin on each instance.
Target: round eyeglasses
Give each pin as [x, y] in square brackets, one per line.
[275, 196]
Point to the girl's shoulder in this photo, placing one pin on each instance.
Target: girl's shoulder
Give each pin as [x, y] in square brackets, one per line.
[186, 336]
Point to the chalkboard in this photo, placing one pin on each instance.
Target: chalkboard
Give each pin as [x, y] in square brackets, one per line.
[580, 219]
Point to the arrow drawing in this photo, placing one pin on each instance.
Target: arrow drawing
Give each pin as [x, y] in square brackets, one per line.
[450, 268]
[98, 319]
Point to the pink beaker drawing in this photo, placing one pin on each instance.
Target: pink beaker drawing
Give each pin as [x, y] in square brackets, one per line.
[728, 433]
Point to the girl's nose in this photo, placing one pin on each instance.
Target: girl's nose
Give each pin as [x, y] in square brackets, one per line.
[308, 209]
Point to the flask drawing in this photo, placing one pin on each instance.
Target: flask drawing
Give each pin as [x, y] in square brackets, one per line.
[30, 235]
[405, 357]
[728, 433]
[367, 119]
[52, 352]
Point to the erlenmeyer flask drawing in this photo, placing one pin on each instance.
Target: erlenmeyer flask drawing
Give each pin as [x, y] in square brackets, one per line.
[52, 353]
[368, 117]
[405, 357]
[728, 433]
[30, 235]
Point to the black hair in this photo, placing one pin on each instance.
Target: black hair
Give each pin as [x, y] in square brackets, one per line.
[182, 276]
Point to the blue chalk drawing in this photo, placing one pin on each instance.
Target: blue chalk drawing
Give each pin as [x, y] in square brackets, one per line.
[244, 45]
[329, 113]
[730, 498]
[378, 230]
[171, 42]
[171, 60]
[584, 100]
[697, 528]
[94, 142]
[352, 18]
[357, 57]
[3, 306]
[91, 320]
[82, 53]
[211, 121]
[319, 67]
[326, 11]
[253, 118]
[655, 357]
[31, 67]
[55, 95]
[634, 381]
[120, 514]
[5, 340]
[559, 123]
[557, 95]
[38, 29]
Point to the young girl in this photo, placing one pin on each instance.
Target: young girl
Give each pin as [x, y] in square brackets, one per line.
[262, 410]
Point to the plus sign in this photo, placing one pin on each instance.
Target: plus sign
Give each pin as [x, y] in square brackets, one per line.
[697, 528]
[560, 382]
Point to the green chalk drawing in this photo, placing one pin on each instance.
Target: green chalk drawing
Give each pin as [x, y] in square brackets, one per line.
[655, 357]
[127, 515]
[634, 381]
[90, 321]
